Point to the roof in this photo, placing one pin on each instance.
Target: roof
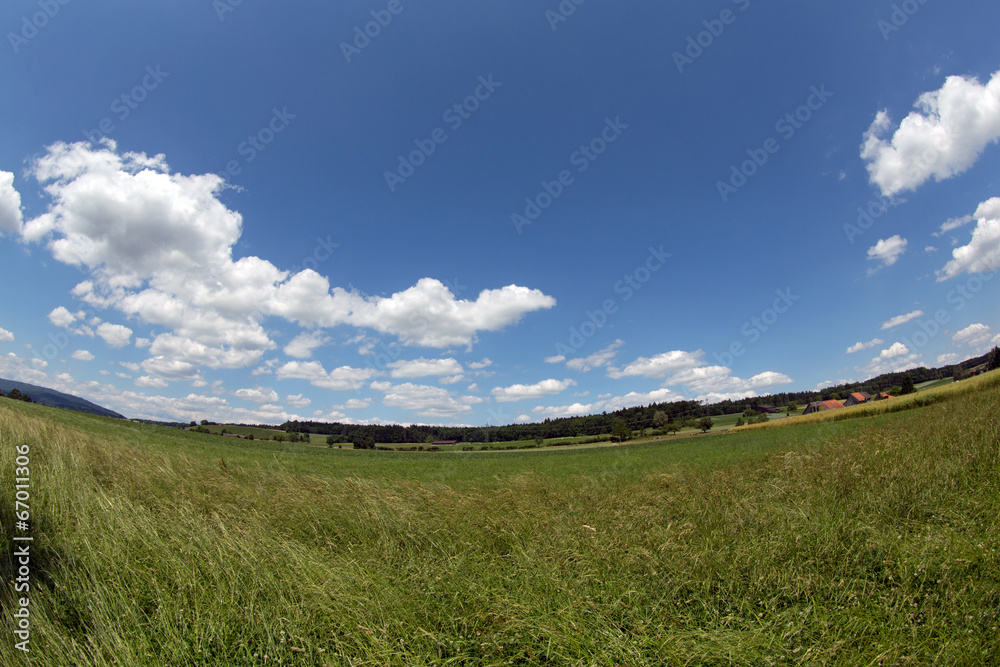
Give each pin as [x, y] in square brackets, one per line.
[859, 396]
[833, 405]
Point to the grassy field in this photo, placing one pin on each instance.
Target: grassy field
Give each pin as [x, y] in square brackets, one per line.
[867, 541]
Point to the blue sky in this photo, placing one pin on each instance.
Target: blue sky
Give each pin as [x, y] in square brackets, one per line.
[449, 213]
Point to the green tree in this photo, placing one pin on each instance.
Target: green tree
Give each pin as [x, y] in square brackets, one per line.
[705, 424]
[906, 386]
[331, 441]
[673, 427]
[792, 407]
[620, 431]
[660, 419]
[994, 359]
[15, 394]
[364, 442]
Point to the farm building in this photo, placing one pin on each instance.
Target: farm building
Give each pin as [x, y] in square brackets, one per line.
[822, 406]
[881, 396]
[767, 409]
[857, 398]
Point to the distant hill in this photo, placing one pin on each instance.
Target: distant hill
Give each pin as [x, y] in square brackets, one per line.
[56, 399]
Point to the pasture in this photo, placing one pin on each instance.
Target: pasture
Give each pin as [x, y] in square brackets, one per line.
[870, 540]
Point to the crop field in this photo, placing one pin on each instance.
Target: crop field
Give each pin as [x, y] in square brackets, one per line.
[870, 540]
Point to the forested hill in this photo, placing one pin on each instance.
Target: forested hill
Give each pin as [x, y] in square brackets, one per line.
[56, 399]
[635, 418]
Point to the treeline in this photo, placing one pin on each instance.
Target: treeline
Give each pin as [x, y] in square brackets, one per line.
[16, 395]
[655, 415]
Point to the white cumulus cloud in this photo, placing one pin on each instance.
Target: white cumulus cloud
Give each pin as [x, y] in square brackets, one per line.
[10, 205]
[901, 319]
[520, 392]
[888, 251]
[6, 336]
[420, 368]
[982, 254]
[943, 138]
[864, 346]
[115, 335]
[973, 335]
[599, 359]
[82, 355]
[659, 366]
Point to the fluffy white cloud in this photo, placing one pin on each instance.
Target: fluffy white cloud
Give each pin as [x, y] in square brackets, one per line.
[6, 336]
[894, 359]
[62, 317]
[599, 359]
[19, 369]
[719, 379]
[159, 248]
[973, 335]
[896, 350]
[948, 359]
[634, 399]
[425, 315]
[152, 383]
[558, 359]
[303, 345]
[115, 335]
[424, 400]
[421, 368]
[887, 251]
[660, 366]
[953, 223]
[520, 392]
[561, 412]
[901, 319]
[259, 395]
[864, 346]
[344, 378]
[10, 205]
[480, 365]
[82, 355]
[355, 404]
[297, 401]
[942, 139]
[982, 254]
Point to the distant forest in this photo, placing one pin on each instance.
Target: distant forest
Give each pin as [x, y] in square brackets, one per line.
[636, 418]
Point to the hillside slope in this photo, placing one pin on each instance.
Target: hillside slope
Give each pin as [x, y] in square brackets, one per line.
[57, 399]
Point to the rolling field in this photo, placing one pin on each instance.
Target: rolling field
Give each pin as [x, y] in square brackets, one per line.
[866, 541]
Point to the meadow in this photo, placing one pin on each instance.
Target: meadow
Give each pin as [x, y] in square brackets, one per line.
[872, 540]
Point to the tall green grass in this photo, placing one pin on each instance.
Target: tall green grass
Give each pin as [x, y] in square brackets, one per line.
[870, 541]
